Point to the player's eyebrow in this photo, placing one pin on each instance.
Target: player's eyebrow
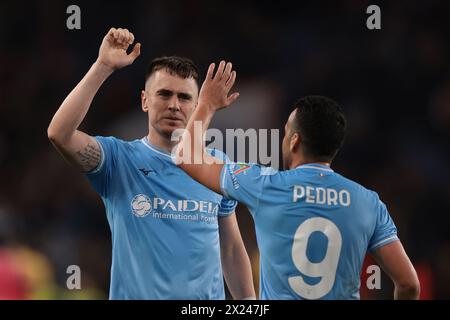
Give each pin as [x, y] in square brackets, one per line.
[164, 92]
[184, 95]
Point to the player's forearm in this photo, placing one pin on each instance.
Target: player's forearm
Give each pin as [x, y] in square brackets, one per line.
[238, 273]
[196, 128]
[192, 156]
[74, 108]
[191, 151]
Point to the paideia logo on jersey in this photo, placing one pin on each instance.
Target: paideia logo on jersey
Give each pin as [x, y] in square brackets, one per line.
[142, 205]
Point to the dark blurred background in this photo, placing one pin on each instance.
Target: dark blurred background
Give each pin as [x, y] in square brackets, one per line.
[393, 83]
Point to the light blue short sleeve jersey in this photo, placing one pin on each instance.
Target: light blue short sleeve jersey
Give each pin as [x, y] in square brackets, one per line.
[164, 225]
[313, 228]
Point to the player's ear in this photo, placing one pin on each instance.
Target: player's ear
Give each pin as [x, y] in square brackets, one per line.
[144, 101]
[294, 142]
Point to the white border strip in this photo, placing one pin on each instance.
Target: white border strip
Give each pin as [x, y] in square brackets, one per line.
[144, 141]
[224, 181]
[318, 168]
[394, 237]
[102, 160]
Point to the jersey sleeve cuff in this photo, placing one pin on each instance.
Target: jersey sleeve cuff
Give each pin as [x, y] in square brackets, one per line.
[384, 242]
[226, 213]
[102, 160]
[223, 181]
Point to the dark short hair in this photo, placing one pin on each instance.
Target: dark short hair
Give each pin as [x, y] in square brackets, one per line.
[321, 124]
[179, 66]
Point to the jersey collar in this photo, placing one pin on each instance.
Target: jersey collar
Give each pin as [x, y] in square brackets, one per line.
[316, 166]
[160, 151]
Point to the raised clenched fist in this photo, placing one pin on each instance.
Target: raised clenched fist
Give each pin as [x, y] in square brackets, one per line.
[113, 50]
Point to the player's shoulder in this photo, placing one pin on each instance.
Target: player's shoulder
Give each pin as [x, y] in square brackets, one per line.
[358, 188]
[118, 143]
[255, 169]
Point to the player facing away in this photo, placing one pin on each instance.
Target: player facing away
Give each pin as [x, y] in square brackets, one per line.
[171, 237]
[313, 226]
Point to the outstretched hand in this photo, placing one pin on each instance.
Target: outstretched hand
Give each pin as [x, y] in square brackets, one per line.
[113, 50]
[214, 93]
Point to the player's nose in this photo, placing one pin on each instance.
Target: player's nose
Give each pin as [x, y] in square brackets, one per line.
[174, 105]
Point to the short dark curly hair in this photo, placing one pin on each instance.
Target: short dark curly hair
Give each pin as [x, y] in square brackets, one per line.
[321, 124]
[182, 67]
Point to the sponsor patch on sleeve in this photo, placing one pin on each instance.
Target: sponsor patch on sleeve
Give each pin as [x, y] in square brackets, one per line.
[240, 167]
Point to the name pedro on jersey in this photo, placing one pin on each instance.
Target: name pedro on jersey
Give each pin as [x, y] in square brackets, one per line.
[318, 195]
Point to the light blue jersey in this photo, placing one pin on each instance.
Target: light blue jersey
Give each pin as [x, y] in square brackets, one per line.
[313, 228]
[164, 225]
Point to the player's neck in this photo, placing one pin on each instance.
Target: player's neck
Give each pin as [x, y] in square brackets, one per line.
[298, 161]
[160, 141]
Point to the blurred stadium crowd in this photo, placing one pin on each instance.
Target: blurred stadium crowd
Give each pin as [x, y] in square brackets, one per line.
[393, 83]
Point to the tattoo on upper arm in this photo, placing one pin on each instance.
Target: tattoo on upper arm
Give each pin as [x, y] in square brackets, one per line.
[89, 157]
